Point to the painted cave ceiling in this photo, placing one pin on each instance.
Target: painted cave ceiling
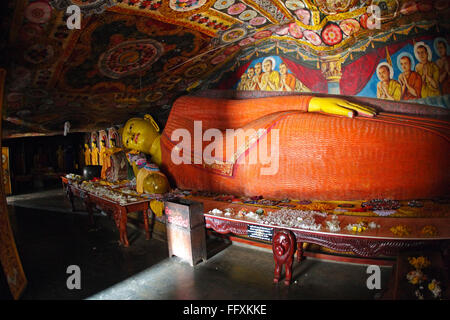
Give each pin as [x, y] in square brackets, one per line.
[132, 57]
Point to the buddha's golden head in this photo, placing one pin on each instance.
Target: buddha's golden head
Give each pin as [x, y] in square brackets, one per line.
[140, 133]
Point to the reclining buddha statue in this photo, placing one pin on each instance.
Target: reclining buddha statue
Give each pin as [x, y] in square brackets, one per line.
[320, 148]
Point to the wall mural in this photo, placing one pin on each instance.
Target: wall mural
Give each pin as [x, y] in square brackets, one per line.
[415, 70]
[270, 74]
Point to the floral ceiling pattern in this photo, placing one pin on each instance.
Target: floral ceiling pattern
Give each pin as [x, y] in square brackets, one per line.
[131, 57]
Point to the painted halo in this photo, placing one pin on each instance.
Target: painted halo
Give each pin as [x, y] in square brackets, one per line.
[391, 70]
[38, 12]
[411, 58]
[223, 4]
[417, 44]
[435, 45]
[271, 59]
[129, 57]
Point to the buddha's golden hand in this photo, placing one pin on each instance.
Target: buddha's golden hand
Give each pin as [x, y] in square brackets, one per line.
[339, 107]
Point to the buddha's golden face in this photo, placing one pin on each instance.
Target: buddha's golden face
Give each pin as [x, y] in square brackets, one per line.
[138, 134]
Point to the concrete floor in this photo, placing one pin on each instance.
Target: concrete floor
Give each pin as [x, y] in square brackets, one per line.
[50, 238]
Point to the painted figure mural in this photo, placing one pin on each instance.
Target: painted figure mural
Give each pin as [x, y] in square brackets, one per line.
[410, 81]
[416, 70]
[387, 88]
[421, 69]
[270, 74]
[427, 69]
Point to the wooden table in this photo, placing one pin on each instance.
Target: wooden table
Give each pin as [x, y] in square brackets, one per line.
[369, 243]
[118, 211]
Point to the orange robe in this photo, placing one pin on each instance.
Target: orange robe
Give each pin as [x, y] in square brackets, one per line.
[320, 156]
[290, 81]
[415, 81]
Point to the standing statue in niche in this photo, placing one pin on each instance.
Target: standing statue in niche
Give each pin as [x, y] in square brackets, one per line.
[94, 154]
[102, 152]
[87, 155]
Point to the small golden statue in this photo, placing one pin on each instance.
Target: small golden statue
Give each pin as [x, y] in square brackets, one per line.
[94, 154]
[87, 155]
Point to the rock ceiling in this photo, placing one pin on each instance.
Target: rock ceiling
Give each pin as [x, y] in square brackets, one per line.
[131, 57]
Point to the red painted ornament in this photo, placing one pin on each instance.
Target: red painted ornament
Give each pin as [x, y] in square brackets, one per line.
[331, 34]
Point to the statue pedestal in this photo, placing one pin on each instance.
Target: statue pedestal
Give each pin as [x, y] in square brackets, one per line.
[186, 235]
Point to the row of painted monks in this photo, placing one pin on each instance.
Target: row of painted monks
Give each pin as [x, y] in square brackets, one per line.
[270, 80]
[428, 80]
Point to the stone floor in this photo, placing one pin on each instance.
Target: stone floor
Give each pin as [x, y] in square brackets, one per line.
[50, 238]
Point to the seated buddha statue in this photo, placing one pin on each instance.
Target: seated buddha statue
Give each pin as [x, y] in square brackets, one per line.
[324, 149]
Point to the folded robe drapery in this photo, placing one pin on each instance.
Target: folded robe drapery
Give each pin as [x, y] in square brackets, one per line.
[319, 156]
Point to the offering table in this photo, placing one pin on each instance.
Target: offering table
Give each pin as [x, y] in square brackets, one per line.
[368, 243]
[118, 210]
